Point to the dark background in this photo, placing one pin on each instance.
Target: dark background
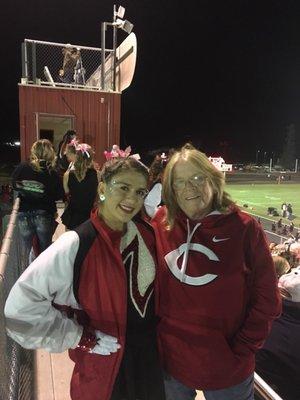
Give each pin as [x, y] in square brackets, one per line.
[222, 74]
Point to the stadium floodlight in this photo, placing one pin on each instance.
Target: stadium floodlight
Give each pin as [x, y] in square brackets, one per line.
[48, 75]
[118, 23]
[121, 12]
[125, 25]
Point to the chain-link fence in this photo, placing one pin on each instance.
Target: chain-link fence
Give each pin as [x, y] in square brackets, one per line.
[57, 64]
[16, 363]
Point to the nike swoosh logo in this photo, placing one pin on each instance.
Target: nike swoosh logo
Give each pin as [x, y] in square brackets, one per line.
[215, 240]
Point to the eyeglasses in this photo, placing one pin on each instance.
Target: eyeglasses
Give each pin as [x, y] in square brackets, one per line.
[195, 180]
[124, 189]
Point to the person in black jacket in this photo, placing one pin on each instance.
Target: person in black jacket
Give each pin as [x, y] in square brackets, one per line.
[38, 186]
[62, 162]
[80, 185]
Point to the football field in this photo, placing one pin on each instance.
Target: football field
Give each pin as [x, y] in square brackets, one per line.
[259, 197]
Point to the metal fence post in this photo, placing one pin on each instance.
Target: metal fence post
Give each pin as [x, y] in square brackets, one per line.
[33, 52]
[103, 29]
[24, 61]
[114, 64]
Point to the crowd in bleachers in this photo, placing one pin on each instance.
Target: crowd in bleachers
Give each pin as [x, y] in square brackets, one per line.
[278, 362]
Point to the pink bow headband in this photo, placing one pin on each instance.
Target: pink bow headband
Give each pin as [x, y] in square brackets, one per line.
[73, 142]
[117, 152]
[83, 147]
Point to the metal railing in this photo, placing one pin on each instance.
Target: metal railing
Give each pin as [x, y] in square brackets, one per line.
[16, 363]
[264, 390]
[66, 65]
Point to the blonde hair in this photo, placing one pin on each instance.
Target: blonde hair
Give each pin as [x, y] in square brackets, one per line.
[221, 199]
[42, 150]
[84, 159]
[282, 265]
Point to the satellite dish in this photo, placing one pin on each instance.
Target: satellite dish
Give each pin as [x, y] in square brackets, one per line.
[125, 66]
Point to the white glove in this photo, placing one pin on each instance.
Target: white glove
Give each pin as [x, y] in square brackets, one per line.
[106, 344]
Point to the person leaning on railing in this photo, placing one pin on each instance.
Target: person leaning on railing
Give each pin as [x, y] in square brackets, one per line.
[71, 56]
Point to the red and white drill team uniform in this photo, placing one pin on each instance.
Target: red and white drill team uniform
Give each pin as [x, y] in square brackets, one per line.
[33, 322]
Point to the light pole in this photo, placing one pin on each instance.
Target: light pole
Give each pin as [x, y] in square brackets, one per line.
[118, 22]
[265, 157]
[257, 156]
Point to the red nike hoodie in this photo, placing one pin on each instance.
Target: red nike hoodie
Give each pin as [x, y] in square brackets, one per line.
[217, 297]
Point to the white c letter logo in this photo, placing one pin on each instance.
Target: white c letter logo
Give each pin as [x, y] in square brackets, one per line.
[172, 262]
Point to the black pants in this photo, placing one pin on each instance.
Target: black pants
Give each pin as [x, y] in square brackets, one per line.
[140, 376]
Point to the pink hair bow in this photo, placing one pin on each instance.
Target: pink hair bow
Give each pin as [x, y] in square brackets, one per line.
[84, 148]
[73, 142]
[117, 152]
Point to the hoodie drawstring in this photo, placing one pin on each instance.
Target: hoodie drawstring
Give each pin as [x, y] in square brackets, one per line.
[186, 252]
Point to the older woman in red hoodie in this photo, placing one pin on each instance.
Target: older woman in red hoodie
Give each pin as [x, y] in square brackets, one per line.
[217, 285]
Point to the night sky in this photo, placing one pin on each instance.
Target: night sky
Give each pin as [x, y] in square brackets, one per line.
[222, 74]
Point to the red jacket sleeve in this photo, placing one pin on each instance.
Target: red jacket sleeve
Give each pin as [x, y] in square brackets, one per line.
[264, 303]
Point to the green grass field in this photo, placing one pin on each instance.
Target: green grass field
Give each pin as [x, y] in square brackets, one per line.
[261, 196]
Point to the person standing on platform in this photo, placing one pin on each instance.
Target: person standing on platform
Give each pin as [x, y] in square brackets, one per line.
[103, 272]
[217, 284]
[71, 55]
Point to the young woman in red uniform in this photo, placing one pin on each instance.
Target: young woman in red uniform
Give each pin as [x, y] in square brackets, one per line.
[112, 340]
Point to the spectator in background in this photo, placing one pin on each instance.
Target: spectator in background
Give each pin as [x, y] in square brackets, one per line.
[38, 186]
[284, 230]
[291, 227]
[278, 362]
[62, 162]
[282, 265]
[153, 200]
[80, 185]
[294, 249]
[289, 212]
[279, 223]
[273, 227]
[283, 210]
[71, 56]
[290, 250]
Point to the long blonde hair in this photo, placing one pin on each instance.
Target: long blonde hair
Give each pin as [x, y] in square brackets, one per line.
[83, 161]
[221, 199]
[42, 150]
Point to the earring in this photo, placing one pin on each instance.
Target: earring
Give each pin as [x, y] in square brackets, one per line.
[101, 197]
